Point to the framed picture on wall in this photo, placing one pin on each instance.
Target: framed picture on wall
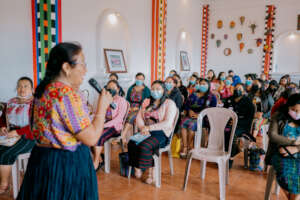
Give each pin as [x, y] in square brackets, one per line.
[184, 61]
[298, 23]
[115, 61]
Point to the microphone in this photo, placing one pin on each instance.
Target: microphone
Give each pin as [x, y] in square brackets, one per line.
[97, 87]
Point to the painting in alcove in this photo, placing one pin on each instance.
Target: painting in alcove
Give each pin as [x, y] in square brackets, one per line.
[298, 23]
[184, 61]
[115, 61]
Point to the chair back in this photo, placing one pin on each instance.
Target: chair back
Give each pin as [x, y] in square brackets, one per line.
[174, 124]
[218, 119]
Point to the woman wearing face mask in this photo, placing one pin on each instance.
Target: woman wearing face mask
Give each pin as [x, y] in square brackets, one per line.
[114, 76]
[173, 92]
[202, 98]
[135, 96]
[113, 122]
[244, 108]
[284, 147]
[181, 87]
[156, 118]
[172, 73]
[248, 83]
[18, 116]
[227, 90]
[192, 83]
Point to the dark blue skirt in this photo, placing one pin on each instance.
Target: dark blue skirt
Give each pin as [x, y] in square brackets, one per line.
[59, 174]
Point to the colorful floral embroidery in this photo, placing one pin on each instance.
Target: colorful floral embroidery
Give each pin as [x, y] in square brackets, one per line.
[59, 115]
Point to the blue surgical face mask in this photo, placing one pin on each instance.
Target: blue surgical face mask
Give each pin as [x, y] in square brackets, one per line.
[156, 94]
[203, 88]
[248, 82]
[228, 82]
[222, 78]
[192, 82]
[169, 86]
[139, 82]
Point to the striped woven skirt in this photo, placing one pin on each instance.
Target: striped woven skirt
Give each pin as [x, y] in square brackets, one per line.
[141, 156]
[59, 174]
[287, 173]
[8, 155]
[107, 134]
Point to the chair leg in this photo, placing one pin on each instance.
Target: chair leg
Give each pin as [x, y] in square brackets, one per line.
[107, 153]
[277, 189]
[129, 172]
[227, 172]
[187, 170]
[157, 170]
[222, 181]
[246, 158]
[269, 183]
[171, 162]
[203, 169]
[14, 174]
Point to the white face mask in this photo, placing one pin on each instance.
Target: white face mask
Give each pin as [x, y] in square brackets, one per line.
[294, 115]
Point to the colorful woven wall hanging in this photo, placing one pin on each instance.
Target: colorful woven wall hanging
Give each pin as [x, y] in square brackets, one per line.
[205, 20]
[268, 40]
[46, 32]
[158, 44]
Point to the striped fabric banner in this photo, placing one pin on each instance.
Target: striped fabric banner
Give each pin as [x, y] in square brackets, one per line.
[269, 40]
[205, 20]
[46, 33]
[158, 43]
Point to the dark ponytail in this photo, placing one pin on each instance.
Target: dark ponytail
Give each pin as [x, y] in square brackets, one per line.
[60, 54]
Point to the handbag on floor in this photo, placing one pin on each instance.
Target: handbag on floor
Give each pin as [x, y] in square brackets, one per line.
[255, 158]
[124, 163]
[175, 146]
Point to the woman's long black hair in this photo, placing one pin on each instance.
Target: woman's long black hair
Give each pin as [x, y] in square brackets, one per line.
[60, 54]
[162, 99]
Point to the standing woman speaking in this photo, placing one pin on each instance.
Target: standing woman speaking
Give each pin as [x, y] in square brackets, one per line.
[60, 166]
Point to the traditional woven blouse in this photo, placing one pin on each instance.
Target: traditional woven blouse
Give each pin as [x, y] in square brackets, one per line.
[59, 115]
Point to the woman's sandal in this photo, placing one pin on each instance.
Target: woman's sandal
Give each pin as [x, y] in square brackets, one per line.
[148, 176]
[183, 154]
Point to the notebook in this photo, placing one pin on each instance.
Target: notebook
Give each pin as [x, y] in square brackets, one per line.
[138, 138]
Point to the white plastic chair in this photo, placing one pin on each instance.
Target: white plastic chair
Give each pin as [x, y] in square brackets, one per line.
[270, 179]
[107, 145]
[157, 159]
[215, 151]
[19, 166]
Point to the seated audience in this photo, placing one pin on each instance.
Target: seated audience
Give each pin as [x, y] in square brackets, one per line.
[192, 83]
[114, 76]
[155, 119]
[18, 117]
[244, 108]
[283, 82]
[181, 87]
[226, 90]
[284, 147]
[202, 98]
[235, 78]
[113, 121]
[136, 94]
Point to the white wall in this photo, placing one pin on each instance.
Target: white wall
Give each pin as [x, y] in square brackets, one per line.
[254, 11]
[15, 45]
[84, 21]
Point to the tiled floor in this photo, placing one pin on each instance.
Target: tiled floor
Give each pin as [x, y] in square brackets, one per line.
[243, 184]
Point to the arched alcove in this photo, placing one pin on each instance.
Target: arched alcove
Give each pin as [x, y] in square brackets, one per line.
[184, 43]
[287, 53]
[112, 33]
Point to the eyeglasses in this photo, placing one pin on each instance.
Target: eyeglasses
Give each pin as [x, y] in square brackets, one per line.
[80, 63]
